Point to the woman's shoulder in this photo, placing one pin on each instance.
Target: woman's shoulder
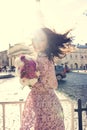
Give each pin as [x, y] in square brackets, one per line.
[43, 59]
[41, 54]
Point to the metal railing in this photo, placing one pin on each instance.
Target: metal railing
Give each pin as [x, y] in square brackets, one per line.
[20, 104]
[4, 104]
[79, 110]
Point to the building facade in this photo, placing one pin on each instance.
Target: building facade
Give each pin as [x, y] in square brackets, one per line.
[17, 50]
[76, 59]
[4, 58]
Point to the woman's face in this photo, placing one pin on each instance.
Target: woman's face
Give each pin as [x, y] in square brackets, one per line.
[39, 41]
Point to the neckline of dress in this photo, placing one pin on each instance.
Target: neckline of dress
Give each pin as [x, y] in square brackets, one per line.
[42, 54]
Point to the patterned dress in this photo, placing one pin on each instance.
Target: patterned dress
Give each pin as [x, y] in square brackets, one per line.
[42, 110]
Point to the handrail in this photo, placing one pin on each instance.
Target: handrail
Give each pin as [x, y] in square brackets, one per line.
[12, 102]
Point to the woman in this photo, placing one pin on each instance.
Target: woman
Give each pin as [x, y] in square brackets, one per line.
[42, 109]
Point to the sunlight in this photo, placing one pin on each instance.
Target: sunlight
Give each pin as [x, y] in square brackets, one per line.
[19, 18]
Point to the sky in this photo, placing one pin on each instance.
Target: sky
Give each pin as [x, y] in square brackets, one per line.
[18, 19]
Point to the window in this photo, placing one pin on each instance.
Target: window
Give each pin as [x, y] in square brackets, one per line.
[76, 56]
[66, 57]
[86, 66]
[71, 56]
[82, 57]
[85, 56]
[76, 66]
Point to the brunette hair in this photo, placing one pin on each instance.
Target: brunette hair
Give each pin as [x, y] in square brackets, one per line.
[56, 43]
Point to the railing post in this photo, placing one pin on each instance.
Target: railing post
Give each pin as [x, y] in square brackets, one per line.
[3, 108]
[79, 110]
[80, 114]
[20, 106]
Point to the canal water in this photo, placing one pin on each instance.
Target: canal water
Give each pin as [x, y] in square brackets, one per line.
[75, 86]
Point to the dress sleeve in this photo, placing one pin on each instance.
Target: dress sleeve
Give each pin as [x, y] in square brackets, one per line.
[47, 73]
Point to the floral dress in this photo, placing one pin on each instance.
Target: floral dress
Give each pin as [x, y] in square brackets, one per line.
[42, 110]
